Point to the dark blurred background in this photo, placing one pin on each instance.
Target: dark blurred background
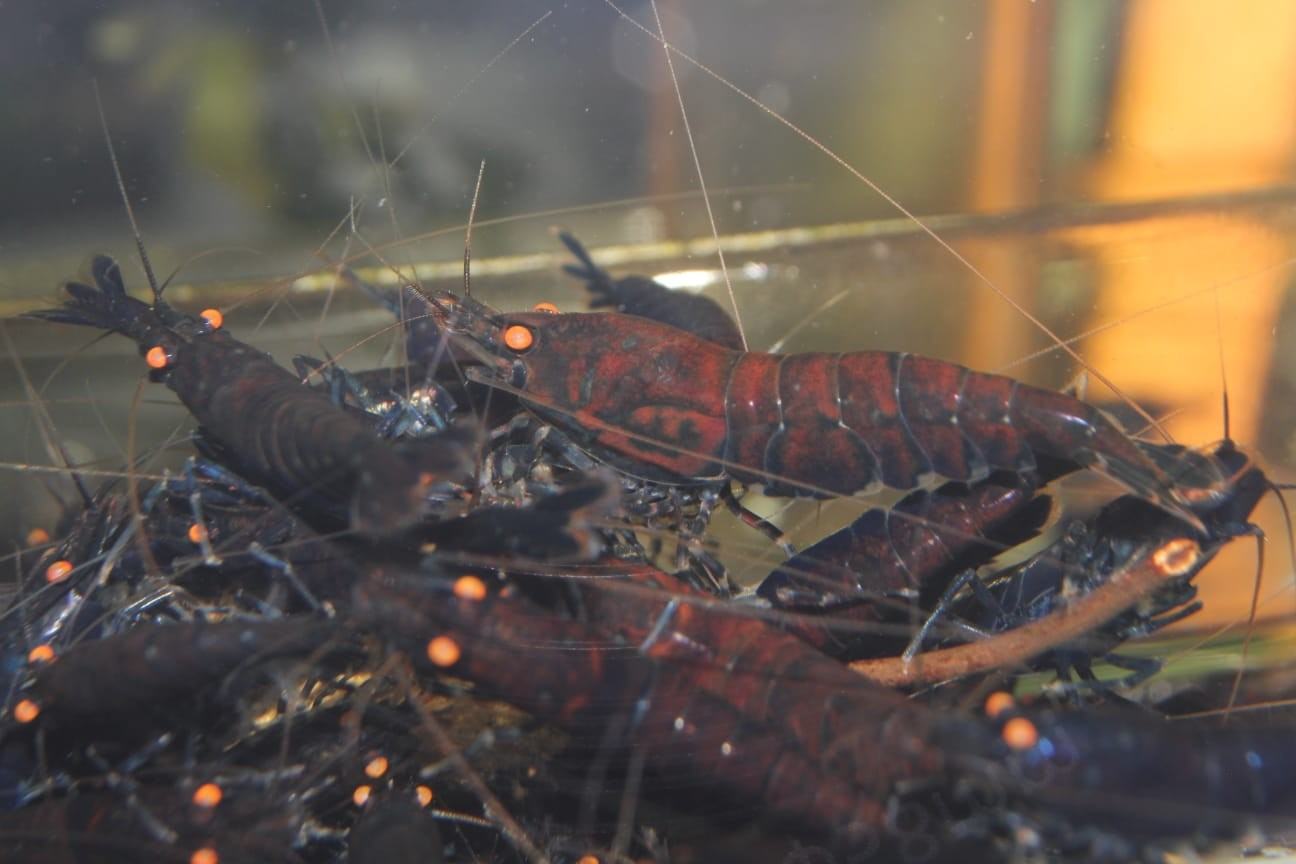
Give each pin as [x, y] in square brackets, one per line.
[237, 124]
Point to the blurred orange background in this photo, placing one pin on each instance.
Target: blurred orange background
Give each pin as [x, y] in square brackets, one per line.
[1203, 101]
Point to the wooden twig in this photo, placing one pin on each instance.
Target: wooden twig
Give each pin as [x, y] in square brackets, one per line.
[1169, 560]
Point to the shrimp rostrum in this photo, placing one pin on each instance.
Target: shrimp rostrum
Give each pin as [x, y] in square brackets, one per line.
[665, 404]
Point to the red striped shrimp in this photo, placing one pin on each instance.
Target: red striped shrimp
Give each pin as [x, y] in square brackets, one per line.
[665, 404]
[686, 730]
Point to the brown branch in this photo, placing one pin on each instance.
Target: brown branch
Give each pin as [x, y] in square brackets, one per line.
[1170, 560]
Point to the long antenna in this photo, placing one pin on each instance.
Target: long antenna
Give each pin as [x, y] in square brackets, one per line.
[472, 216]
[697, 166]
[121, 187]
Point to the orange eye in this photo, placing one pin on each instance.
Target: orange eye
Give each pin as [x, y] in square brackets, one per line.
[205, 855]
[1020, 734]
[361, 795]
[213, 317]
[424, 795]
[37, 537]
[208, 795]
[156, 358]
[58, 572]
[443, 651]
[197, 533]
[998, 702]
[518, 338]
[376, 767]
[40, 654]
[545, 307]
[469, 588]
[26, 711]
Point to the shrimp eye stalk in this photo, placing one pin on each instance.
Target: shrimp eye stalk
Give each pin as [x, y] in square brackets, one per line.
[518, 378]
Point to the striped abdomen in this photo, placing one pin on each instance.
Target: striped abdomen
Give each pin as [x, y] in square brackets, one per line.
[841, 424]
[665, 404]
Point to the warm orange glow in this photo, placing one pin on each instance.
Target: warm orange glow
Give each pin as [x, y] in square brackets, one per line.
[207, 795]
[197, 533]
[443, 651]
[1201, 104]
[545, 307]
[424, 795]
[998, 702]
[37, 537]
[1008, 155]
[361, 795]
[205, 855]
[156, 358]
[40, 654]
[376, 767]
[1020, 734]
[518, 338]
[1207, 105]
[589, 859]
[58, 572]
[26, 711]
[470, 588]
[1191, 117]
[213, 317]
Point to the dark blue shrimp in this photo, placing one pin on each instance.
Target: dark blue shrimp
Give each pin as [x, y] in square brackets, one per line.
[1104, 783]
[1088, 553]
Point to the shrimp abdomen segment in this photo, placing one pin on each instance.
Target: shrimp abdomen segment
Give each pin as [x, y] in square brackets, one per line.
[841, 424]
[811, 442]
[1055, 424]
[870, 405]
[931, 402]
[819, 424]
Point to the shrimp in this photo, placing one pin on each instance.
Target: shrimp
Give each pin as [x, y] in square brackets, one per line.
[273, 428]
[687, 730]
[664, 404]
[1133, 777]
[152, 671]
